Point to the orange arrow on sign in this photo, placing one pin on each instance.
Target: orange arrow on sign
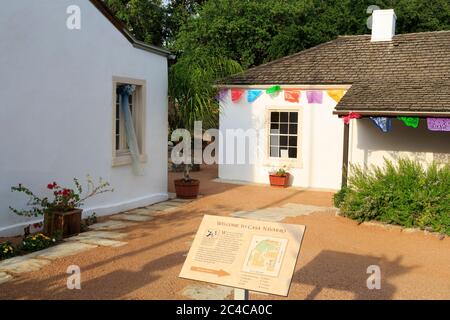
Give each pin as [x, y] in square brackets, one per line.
[219, 273]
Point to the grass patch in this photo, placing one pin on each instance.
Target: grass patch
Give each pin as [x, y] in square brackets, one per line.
[404, 194]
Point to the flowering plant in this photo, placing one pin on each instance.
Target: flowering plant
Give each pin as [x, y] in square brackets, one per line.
[282, 172]
[6, 250]
[64, 199]
[37, 242]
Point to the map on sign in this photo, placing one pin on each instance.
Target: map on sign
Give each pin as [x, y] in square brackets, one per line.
[246, 254]
[265, 255]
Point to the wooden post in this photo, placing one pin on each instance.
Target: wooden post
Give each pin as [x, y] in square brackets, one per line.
[240, 294]
[345, 155]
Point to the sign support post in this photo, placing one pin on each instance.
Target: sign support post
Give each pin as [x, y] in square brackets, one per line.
[240, 294]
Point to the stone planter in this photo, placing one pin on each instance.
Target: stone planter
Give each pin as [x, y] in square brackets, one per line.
[187, 189]
[279, 181]
[63, 224]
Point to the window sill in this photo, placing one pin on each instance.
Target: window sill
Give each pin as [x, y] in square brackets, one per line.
[126, 159]
[279, 162]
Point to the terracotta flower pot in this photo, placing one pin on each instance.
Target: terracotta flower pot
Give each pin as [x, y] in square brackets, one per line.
[187, 189]
[279, 181]
[63, 224]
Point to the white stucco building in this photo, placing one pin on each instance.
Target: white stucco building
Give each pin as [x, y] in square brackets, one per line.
[60, 117]
[380, 77]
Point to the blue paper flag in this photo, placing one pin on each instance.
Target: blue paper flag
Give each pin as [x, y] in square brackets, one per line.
[383, 123]
[252, 95]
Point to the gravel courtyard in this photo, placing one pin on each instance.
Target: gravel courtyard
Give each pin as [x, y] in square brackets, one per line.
[139, 254]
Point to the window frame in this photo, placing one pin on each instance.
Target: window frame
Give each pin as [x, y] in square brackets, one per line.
[279, 162]
[123, 157]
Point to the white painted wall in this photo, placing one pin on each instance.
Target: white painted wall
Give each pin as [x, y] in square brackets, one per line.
[369, 145]
[321, 136]
[56, 107]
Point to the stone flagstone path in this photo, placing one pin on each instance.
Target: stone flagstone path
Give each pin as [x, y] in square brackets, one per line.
[279, 214]
[104, 234]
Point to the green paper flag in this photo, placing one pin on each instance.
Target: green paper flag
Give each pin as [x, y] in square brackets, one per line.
[410, 122]
[273, 90]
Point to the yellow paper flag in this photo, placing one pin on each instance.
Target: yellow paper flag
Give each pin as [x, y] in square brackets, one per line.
[336, 95]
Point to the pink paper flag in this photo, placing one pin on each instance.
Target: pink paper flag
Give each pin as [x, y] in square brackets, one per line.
[438, 124]
[351, 115]
[314, 96]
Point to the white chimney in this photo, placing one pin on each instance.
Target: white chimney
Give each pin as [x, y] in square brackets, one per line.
[383, 25]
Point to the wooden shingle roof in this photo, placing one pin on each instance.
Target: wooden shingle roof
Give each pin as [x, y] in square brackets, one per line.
[409, 74]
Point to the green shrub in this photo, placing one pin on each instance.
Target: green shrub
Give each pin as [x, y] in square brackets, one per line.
[36, 242]
[6, 250]
[405, 194]
[339, 197]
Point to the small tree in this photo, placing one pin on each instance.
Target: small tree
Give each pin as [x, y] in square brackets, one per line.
[192, 94]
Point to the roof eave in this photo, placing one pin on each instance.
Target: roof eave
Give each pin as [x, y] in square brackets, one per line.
[386, 113]
[122, 29]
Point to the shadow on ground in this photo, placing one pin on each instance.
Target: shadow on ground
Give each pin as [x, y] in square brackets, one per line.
[349, 272]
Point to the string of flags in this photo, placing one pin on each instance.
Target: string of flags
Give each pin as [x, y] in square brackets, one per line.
[385, 123]
[290, 95]
[317, 97]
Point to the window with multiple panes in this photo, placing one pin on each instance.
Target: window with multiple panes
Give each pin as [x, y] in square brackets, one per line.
[283, 138]
[121, 152]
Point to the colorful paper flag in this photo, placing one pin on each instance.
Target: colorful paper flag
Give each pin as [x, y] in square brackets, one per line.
[236, 94]
[292, 95]
[314, 96]
[383, 123]
[222, 95]
[273, 90]
[351, 115]
[438, 124]
[410, 122]
[336, 95]
[252, 95]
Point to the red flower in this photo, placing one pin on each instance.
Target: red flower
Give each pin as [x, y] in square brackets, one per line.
[66, 192]
[52, 186]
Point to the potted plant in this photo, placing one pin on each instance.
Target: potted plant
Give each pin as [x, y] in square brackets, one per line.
[192, 97]
[279, 178]
[62, 214]
[187, 188]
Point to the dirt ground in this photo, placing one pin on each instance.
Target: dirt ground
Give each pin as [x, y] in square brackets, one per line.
[333, 262]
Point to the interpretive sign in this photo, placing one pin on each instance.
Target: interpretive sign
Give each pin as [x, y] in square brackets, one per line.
[246, 254]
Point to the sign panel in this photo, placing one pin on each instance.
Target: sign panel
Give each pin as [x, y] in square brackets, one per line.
[246, 254]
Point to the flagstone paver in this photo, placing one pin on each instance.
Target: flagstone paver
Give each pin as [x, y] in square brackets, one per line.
[101, 238]
[111, 225]
[279, 214]
[4, 277]
[206, 292]
[131, 217]
[64, 250]
[103, 242]
[23, 264]
[100, 234]
[162, 207]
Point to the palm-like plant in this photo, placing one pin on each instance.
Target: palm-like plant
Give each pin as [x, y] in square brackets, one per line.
[192, 92]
